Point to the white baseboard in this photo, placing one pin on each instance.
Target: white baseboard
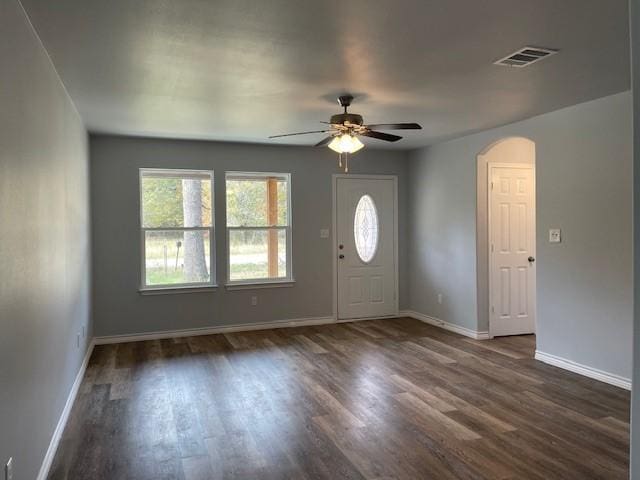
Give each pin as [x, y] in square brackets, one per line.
[585, 370]
[467, 332]
[64, 416]
[241, 327]
[193, 332]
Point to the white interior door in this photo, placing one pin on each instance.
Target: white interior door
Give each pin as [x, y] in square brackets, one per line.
[366, 250]
[512, 245]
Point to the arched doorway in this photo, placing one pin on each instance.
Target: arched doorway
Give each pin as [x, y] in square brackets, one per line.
[506, 276]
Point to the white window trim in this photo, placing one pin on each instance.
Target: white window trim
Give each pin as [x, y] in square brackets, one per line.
[177, 290]
[254, 283]
[173, 288]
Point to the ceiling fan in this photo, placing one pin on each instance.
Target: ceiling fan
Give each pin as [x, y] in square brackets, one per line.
[344, 129]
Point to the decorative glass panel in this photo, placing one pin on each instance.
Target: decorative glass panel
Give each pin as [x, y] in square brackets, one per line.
[365, 228]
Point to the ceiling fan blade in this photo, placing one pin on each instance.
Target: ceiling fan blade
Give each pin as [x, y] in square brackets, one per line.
[395, 126]
[324, 141]
[299, 133]
[381, 136]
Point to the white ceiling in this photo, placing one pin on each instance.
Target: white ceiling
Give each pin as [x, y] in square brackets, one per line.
[241, 70]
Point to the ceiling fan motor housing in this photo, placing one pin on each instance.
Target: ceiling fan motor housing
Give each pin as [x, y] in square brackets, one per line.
[344, 118]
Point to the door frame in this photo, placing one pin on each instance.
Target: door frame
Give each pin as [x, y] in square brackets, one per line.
[334, 238]
[490, 167]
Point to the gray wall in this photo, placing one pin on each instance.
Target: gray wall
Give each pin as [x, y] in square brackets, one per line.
[583, 175]
[44, 244]
[120, 309]
[442, 237]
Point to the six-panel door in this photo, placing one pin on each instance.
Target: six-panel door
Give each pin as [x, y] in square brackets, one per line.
[512, 243]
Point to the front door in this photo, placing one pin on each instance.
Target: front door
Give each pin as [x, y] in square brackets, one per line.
[512, 244]
[366, 233]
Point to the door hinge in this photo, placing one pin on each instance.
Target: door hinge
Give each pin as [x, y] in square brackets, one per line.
[492, 248]
[493, 310]
[491, 185]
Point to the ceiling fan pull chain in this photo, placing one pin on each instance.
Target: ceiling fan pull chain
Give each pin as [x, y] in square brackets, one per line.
[346, 163]
[339, 160]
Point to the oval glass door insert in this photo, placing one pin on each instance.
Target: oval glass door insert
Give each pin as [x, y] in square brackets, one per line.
[365, 228]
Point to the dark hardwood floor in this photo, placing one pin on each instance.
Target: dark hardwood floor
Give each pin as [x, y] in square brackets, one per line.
[387, 399]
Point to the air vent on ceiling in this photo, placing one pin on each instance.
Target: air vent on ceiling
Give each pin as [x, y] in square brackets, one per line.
[525, 57]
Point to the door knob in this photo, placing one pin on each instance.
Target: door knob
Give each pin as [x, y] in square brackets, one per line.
[340, 256]
[531, 259]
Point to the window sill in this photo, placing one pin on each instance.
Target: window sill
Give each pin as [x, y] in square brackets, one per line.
[258, 285]
[177, 290]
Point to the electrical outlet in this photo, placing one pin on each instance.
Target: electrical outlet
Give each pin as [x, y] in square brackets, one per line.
[8, 470]
[254, 301]
[324, 233]
[440, 298]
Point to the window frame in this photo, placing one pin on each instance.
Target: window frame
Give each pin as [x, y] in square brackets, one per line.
[260, 282]
[172, 287]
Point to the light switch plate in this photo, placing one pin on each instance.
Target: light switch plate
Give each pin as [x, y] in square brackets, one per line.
[324, 233]
[555, 236]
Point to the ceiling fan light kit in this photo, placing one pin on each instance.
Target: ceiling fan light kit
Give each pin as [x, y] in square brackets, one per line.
[346, 143]
[346, 127]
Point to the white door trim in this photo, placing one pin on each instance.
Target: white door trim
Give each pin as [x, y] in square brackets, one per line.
[490, 168]
[334, 237]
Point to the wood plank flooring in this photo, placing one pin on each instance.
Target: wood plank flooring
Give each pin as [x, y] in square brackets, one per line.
[386, 399]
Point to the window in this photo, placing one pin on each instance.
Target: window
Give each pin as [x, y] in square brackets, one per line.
[176, 228]
[258, 227]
